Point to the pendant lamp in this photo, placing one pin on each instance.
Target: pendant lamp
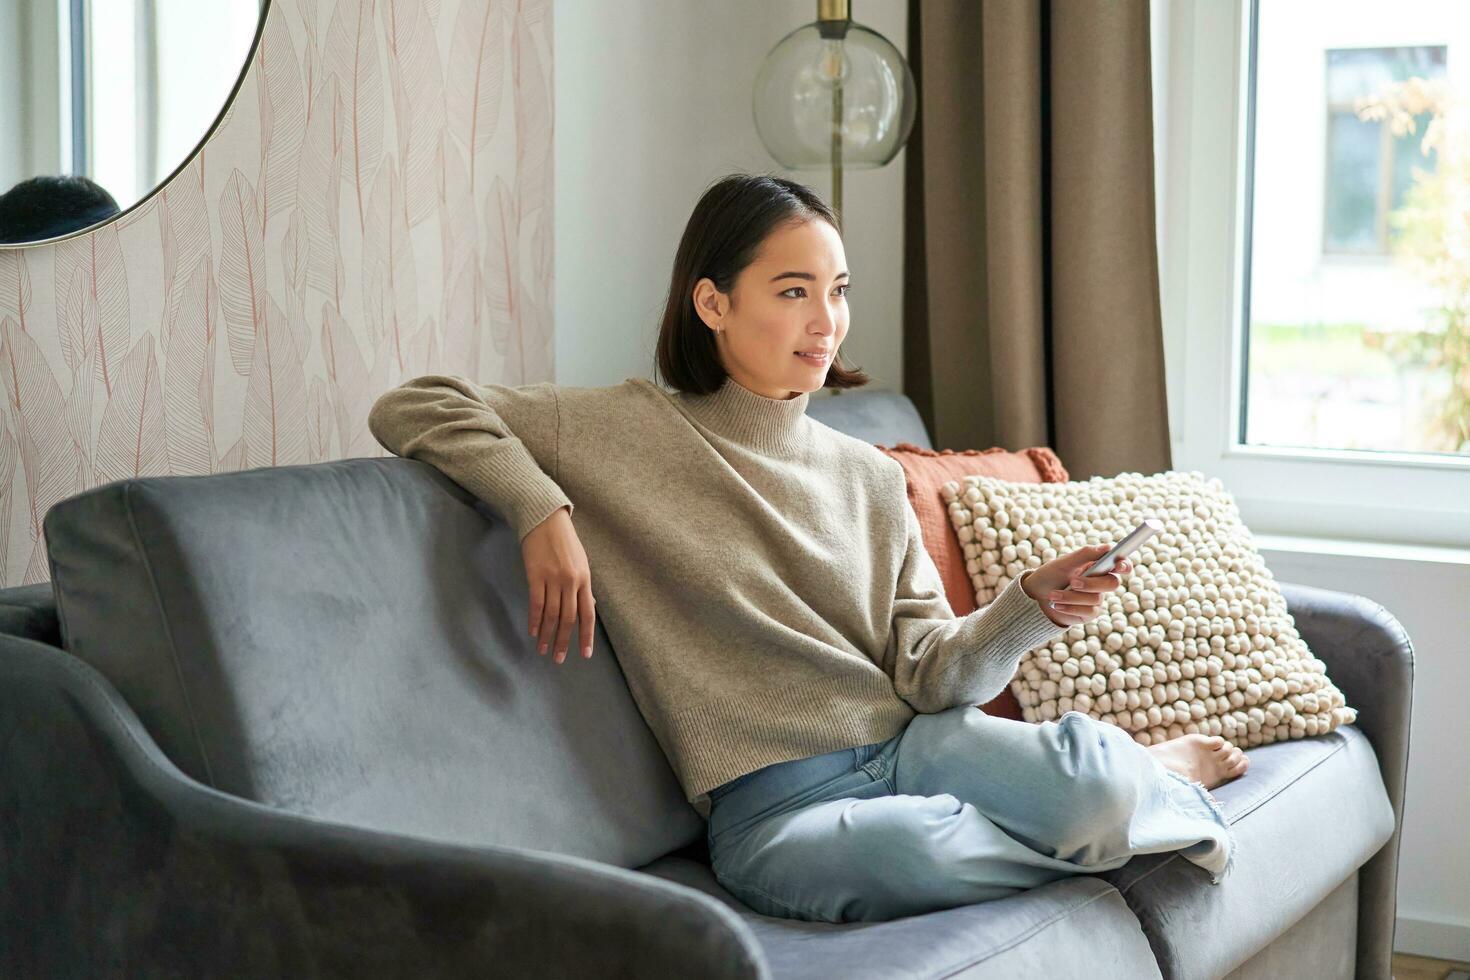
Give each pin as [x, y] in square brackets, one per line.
[834, 93]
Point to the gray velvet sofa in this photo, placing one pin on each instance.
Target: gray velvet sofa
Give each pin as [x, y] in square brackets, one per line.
[288, 722]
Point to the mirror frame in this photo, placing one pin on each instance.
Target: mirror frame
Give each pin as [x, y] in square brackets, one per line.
[265, 9]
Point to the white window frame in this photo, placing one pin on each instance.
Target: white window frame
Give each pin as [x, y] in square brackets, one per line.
[1201, 64]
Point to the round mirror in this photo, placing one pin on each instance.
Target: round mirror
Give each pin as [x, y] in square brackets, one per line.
[102, 101]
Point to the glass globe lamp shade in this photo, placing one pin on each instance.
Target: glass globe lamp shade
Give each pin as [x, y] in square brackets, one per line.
[843, 100]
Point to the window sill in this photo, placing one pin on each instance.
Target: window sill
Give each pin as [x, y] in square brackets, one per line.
[1345, 547]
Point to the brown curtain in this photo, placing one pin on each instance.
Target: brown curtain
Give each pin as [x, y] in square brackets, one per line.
[1031, 306]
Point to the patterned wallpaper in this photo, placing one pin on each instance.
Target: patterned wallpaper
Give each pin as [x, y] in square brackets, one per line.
[376, 204]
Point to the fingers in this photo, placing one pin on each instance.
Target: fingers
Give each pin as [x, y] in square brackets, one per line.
[554, 610]
[550, 616]
[1076, 607]
[1106, 582]
[587, 614]
[568, 616]
[537, 591]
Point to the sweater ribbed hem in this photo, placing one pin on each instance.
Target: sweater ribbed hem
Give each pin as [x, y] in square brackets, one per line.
[712, 743]
[509, 479]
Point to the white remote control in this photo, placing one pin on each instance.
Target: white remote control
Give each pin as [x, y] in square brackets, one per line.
[1136, 537]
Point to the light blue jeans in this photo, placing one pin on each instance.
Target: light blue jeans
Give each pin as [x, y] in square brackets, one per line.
[960, 807]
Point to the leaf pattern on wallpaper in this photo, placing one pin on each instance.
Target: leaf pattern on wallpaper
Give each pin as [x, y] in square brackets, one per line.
[132, 441]
[275, 399]
[318, 422]
[78, 321]
[49, 456]
[463, 325]
[234, 458]
[79, 412]
[534, 334]
[319, 190]
[294, 249]
[309, 12]
[502, 269]
[461, 292]
[282, 115]
[188, 373]
[347, 376]
[533, 118]
[362, 217]
[183, 224]
[389, 275]
[416, 81]
[352, 55]
[15, 285]
[242, 269]
[423, 349]
[9, 452]
[476, 63]
[533, 12]
[98, 257]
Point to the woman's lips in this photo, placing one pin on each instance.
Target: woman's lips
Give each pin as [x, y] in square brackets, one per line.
[821, 359]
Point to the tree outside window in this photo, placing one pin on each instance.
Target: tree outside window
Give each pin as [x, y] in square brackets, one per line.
[1369, 166]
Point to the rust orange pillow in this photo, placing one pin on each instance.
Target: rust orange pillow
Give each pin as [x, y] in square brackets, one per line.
[926, 471]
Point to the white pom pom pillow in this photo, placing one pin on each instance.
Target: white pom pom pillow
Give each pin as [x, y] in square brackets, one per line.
[1196, 639]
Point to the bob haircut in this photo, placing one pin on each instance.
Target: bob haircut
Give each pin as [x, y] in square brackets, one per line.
[731, 220]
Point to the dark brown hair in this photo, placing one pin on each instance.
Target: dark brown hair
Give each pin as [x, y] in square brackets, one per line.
[731, 220]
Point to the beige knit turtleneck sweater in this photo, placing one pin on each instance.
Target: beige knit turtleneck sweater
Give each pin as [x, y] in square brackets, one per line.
[761, 575]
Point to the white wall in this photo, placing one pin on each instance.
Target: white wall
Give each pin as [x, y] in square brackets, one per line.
[653, 103]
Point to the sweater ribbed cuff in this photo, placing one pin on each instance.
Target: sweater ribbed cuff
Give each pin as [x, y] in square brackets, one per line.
[509, 479]
[1032, 626]
[1022, 623]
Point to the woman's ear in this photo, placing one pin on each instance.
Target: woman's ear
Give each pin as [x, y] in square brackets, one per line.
[709, 302]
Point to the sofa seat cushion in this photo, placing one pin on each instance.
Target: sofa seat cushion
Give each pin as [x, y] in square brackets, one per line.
[1306, 815]
[1073, 927]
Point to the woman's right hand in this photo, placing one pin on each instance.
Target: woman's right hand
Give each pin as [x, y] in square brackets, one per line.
[560, 583]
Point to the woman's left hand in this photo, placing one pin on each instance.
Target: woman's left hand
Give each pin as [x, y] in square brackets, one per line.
[1065, 595]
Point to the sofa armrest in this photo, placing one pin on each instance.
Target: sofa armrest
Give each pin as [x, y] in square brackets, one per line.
[30, 611]
[1371, 660]
[114, 861]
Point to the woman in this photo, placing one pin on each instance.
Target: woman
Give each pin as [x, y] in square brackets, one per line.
[773, 609]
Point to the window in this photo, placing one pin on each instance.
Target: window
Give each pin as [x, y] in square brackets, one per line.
[1314, 222]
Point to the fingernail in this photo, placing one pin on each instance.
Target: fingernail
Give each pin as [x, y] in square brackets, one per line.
[586, 651]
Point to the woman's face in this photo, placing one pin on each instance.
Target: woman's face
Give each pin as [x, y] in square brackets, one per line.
[791, 298]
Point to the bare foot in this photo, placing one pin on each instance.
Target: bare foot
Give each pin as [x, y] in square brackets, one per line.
[1208, 759]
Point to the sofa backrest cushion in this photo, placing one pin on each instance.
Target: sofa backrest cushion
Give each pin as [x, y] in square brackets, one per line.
[349, 639]
[871, 414]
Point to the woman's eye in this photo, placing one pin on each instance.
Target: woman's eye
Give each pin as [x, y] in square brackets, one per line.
[844, 287]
